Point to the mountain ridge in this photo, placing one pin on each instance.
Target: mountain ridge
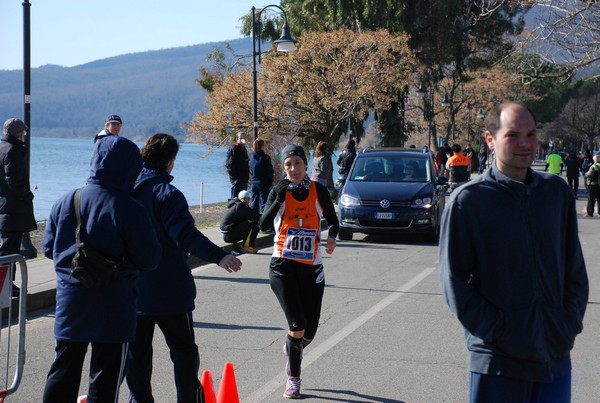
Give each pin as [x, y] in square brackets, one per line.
[152, 91]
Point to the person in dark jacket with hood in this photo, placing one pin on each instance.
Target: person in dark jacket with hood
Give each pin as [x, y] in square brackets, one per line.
[167, 294]
[347, 157]
[116, 225]
[261, 172]
[240, 223]
[16, 199]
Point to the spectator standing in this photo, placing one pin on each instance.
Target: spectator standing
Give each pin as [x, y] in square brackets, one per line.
[322, 166]
[261, 172]
[116, 225]
[473, 162]
[554, 163]
[16, 198]
[586, 162]
[483, 157]
[240, 223]
[112, 127]
[295, 207]
[521, 291]
[572, 164]
[593, 183]
[346, 157]
[167, 294]
[237, 164]
[442, 157]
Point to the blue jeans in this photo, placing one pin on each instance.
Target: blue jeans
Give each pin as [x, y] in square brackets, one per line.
[179, 334]
[485, 388]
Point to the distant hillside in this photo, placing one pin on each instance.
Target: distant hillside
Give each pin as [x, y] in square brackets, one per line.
[152, 91]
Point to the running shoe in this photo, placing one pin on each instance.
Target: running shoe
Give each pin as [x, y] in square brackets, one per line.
[249, 249]
[292, 389]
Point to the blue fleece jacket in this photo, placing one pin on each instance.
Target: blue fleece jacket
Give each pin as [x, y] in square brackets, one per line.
[114, 224]
[512, 271]
[170, 289]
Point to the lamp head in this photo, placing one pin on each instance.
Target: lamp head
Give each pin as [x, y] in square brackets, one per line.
[285, 43]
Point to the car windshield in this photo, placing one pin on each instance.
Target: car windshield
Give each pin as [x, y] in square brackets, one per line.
[391, 169]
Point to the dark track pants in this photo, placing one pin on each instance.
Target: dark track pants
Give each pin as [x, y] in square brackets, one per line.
[107, 366]
[179, 335]
[499, 389]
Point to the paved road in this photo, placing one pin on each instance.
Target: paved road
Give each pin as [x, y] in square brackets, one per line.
[386, 334]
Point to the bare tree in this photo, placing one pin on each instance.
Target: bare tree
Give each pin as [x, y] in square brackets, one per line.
[580, 119]
[564, 31]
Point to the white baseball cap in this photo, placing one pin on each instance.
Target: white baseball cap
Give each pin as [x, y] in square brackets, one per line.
[244, 194]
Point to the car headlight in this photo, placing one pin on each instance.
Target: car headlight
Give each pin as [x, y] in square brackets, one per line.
[348, 201]
[424, 202]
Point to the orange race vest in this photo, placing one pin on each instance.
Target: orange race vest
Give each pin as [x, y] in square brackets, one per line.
[458, 160]
[298, 229]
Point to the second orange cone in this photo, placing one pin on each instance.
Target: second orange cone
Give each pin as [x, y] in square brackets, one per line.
[228, 388]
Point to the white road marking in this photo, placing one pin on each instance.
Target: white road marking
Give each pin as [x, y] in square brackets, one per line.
[276, 383]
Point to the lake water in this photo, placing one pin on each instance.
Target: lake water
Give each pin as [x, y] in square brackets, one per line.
[59, 165]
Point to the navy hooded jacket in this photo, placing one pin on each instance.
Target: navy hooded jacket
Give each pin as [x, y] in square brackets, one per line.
[170, 289]
[116, 225]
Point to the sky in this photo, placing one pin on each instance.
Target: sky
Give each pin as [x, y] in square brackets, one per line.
[72, 32]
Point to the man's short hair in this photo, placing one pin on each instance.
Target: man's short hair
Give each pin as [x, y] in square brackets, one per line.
[492, 118]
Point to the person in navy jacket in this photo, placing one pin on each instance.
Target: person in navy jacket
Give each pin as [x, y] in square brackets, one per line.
[115, 224]
[166, 295]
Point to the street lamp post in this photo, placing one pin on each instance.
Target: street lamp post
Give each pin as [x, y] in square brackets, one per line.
[469, 108]
[27, 248]
[447, 103]
[284, 44]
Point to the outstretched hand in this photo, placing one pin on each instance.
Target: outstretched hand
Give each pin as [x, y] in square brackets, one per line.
[230, 263]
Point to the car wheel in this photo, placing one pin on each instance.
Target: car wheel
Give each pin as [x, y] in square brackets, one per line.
[345, 235]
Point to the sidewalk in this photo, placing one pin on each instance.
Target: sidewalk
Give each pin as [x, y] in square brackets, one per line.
[41, 278]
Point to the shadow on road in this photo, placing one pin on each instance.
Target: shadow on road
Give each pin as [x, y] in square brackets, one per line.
[347, 396]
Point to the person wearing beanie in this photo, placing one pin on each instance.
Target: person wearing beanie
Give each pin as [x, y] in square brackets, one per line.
[112, 127]
[240, 223]
[16, 198]
[295, 208]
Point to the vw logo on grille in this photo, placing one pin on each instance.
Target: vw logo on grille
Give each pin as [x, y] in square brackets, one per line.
[384, 203]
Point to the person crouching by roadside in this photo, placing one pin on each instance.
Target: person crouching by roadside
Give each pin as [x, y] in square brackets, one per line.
[240, 223]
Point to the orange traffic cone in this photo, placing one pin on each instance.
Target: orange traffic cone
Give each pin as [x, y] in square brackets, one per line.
[207, 385]
[228, 389]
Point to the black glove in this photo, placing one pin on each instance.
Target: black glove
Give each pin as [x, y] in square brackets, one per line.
[280, 190]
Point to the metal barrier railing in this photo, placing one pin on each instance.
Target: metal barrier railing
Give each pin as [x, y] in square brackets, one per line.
[7, 322]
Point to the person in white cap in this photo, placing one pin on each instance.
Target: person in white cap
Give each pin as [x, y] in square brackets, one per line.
[240, 223]
[16, 198]
[112, 127]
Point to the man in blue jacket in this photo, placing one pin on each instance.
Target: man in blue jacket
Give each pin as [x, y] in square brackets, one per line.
[167, 294]
[116, 225]
[512, 269]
